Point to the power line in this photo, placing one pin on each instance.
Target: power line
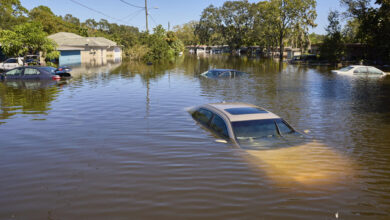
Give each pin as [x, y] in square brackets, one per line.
[135, 15]
[131, 14]
[99, 12]
[154, 21]
[135, 6]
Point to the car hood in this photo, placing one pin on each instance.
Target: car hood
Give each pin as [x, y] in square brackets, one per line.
[310, 163]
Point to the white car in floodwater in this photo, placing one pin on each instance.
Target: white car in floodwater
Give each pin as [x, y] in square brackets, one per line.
[269, 141]
[359, 70]
[11, 63]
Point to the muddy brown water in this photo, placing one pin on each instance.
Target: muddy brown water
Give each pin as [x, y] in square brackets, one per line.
[116, 142]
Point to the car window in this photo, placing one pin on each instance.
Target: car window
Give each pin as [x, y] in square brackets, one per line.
[360, 70]
[11, 61]
[31, 71]
[202, 115]
[284, 128]
[374, 71]
[51, 70]
[219, 126]
[255, 129]
[213, 73]
[345, 69]
[14, 72]
[225, 74]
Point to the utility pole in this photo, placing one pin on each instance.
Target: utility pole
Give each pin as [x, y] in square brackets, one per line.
[169, 26]
[146, 15]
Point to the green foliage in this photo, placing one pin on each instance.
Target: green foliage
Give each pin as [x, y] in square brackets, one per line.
[333, 48]
[137, 52]
[266, 23]
[371, 27]
[316, 38]
[289, 15]
[209, 29]
[186, 33]
[25, 38]
[11, 13]
[158, 45]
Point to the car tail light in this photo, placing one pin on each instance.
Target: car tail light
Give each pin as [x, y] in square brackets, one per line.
[60, 69]
[56, 77]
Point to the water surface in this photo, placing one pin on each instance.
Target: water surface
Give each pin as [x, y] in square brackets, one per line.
[116, 142]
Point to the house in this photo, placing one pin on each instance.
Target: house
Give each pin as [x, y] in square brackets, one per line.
[291, 52]
[75, 49]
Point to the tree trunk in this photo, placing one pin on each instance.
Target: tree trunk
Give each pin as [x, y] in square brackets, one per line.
[281, 46]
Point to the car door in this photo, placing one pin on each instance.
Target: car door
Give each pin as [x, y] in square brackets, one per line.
[360, 71]
[14, 73]
[372, 71]
[10, 63]
[31, 73]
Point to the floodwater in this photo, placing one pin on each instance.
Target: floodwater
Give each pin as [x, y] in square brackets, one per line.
[116, 142]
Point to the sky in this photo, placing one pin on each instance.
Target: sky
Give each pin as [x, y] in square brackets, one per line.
[176, 12]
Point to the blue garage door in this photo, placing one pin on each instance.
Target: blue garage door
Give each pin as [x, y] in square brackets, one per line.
[69, 57]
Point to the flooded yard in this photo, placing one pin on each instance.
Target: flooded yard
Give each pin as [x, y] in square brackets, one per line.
[116, 142]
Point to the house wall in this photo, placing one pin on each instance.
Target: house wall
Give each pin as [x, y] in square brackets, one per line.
[114, 53]
[94, 55]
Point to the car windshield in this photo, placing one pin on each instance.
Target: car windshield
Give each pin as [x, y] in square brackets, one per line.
[345, 69]
[265, 134]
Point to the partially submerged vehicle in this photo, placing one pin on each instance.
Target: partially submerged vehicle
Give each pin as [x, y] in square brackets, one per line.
[221, 73]
[360, 70]
[248, 126]
[269, 141]
[33, 73]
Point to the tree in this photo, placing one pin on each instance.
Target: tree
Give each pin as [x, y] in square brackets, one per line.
[26, 38]
[91, 23]
[158, 45]
[333, 46]
[237, 21]
[186, 33]
[50, 22]
[209, 28]
[316, 38]
[290, 14]
[11, 13]
[73, 20]
[373, 28]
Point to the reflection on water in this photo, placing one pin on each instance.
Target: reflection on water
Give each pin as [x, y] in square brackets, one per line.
[308, 164]
[26, 97]
[116, 141]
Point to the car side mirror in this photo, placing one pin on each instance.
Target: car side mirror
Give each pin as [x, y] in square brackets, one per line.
[221, 141]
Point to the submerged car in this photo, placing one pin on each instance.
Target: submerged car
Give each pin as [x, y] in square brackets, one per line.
[271, 144]
[246, 125]
[32, 73]
[359, 70]
[219, 73]
[60, 71]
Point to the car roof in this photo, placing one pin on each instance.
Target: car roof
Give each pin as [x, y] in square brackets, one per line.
[222, 70]
[360, 66]
[236, 111]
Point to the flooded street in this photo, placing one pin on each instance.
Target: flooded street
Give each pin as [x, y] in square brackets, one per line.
[116, 142]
